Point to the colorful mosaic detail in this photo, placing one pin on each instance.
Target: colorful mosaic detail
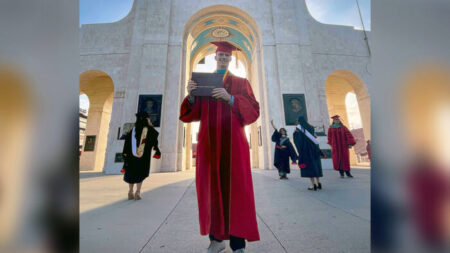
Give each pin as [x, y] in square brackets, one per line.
[220, 33]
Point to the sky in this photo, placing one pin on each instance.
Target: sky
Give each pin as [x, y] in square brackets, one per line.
[84, 102]
[103, 11]
[211, 65]
[338, 12]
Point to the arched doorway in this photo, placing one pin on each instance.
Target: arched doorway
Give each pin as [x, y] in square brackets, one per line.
[82, 114]
[99, 88]
[348, 97]
[226, 23]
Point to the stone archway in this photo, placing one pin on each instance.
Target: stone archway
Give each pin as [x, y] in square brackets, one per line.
[337, 86]
[227, 23]
[99, 87]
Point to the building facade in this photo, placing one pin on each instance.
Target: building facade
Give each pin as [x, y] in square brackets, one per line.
[294, 63]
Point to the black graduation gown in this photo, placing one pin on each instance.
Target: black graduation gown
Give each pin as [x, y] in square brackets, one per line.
[137, 169]
[309, 154]
[282, 155]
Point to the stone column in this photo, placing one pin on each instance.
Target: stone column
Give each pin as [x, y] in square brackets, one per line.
[274, 103]
[364, 109]
[98, 124]
[171, 107]
[114, 145]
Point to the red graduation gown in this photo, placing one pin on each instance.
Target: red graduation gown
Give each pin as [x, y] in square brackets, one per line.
[223, 176]
[339, 138]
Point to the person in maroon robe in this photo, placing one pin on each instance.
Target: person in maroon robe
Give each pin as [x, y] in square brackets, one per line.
[341, 140]
[428, 185]
[223, 176]
[368, 149]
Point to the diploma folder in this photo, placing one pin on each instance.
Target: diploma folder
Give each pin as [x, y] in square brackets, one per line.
[206, 82]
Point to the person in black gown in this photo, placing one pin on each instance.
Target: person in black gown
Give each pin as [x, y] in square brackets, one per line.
[283, 150]
[137, 150]
[309, 153]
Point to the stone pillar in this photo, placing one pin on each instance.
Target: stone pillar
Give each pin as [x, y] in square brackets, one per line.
[254, 145]
[171, 107]
[364, 109]
[274, 99]
[114, 145]
[98, 125]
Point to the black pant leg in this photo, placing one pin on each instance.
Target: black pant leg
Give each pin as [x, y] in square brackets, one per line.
[237, 243]
[212, 238]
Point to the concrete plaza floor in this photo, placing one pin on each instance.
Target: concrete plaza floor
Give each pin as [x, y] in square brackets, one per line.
[290, 218]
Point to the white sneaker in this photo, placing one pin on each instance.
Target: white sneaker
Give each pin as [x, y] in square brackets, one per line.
[239, 251]
[216, 247]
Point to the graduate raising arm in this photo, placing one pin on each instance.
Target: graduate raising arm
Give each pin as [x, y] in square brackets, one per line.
[271, 122]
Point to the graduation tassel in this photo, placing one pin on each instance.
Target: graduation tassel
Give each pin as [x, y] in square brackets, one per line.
[237, 65]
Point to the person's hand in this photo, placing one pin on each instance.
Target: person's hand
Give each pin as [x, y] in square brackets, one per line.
[283, 147]
[271, 122]
[190, 87]
[221, 94]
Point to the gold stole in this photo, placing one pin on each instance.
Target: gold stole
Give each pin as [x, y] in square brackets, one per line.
[140, 149]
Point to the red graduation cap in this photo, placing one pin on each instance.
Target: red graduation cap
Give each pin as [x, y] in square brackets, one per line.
[335, 117]
[225, 46]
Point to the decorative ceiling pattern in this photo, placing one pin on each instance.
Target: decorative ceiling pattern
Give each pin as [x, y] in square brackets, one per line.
[222, 28]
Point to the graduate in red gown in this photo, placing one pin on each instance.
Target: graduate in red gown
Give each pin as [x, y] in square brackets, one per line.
[341, 140]
[223, 175]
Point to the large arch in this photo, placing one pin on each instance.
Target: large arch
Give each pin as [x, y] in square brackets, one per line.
[227, 23]
[99, 87]
[337, 85]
